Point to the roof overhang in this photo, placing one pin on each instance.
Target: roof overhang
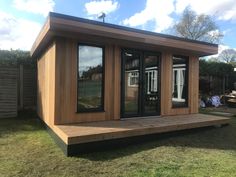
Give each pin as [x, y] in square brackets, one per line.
[58, 24]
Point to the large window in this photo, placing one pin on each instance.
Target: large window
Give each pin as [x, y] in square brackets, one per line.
[180, 82]
[90, 78]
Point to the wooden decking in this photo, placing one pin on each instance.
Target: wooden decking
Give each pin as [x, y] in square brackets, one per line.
[107, 130]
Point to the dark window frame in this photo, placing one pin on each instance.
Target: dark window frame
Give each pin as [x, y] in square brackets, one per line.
[186, 104]
[101, 108]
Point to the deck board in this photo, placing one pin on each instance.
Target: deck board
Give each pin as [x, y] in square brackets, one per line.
[106, 130]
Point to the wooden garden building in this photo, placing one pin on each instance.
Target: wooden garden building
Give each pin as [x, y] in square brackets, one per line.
[99, 82]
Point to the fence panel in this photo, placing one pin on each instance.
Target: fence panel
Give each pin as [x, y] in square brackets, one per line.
[29, 87]
[8, 91]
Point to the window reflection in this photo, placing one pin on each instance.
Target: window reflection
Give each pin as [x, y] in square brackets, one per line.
[151, 63]
[132, 74]
[179, 82]
[90, 78]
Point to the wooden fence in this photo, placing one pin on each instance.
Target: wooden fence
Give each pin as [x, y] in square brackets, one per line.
[17, 89]
[28, 87]
[8, 91]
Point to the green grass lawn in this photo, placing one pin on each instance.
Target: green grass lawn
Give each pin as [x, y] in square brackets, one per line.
[26, 149]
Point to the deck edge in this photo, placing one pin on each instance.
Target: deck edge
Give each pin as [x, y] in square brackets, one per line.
[144, 131]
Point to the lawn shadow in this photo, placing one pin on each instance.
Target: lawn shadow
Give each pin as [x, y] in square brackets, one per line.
[25, 121]
[222, 138]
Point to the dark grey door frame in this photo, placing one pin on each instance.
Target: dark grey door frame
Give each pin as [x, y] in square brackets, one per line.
[141, 99]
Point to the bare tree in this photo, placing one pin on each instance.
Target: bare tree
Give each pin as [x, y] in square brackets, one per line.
[197, 27]
[228, 55]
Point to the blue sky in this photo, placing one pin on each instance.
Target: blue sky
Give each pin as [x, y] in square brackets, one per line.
[21, 20]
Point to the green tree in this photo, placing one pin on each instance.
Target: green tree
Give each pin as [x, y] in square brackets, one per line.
[218, 69]
[15, 57]
[224, 72]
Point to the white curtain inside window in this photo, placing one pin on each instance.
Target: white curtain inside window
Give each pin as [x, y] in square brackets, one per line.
[178, 83]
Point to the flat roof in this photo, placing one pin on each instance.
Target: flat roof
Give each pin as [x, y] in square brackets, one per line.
[59, 24]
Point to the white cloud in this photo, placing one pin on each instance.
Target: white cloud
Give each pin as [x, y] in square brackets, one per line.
[223, 10]
[222, 47]
[17, 33]
[96, 7]
[41, 7]
[159, 11]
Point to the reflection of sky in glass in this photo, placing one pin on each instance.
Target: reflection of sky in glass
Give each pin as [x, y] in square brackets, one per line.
[89, 56]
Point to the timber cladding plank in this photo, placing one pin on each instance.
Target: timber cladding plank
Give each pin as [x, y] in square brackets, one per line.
[166, 77]
[117, 80]
[8, 91]
[46, 88]
[194, 86]
[109, 89]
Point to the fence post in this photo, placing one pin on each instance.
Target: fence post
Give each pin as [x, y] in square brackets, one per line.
[21, 84]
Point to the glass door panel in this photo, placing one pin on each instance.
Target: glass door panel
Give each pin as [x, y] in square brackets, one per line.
[151, 84]
[131, 83]
[140, 84]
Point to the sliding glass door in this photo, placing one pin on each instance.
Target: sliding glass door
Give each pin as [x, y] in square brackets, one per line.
[140, 83]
